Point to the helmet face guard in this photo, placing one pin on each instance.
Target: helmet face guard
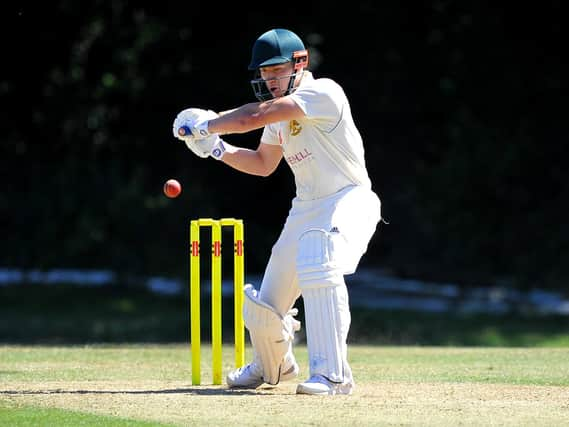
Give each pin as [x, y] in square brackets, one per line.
[259, 85]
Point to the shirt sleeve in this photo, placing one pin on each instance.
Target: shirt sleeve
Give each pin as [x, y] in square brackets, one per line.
[321, 102]
[270, 135]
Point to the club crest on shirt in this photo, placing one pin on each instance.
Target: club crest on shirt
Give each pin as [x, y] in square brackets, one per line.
[295, 128]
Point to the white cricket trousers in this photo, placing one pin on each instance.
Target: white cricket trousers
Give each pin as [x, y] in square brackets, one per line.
[354, 212]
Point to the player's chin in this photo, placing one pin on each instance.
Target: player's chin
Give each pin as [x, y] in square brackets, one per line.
[276, 92]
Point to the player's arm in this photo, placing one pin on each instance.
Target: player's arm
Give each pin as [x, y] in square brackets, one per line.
[263, 161]
[255, 115]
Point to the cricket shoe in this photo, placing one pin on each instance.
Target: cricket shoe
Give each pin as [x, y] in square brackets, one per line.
[251, 375]
[321, 386]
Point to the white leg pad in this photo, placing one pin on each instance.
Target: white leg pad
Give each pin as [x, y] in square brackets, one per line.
[326, 304]
[321, 258]
[327, 317]
[271, 334]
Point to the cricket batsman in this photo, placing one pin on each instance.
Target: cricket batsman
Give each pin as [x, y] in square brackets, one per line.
[334, 214]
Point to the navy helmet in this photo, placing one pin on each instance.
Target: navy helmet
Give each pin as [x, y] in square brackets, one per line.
[274, 47]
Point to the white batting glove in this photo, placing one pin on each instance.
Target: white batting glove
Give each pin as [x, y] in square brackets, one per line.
[211, 146]
[218, 149]
[192, 123]
[193, 145]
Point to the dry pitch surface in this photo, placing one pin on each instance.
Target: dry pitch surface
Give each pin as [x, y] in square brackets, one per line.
[396, 386]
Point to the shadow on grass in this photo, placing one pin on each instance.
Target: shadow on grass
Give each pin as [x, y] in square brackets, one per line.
[200, 391]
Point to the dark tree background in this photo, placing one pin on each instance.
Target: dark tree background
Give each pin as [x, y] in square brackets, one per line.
[462, 106]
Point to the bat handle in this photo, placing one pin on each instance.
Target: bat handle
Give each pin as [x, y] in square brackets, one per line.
[184, 131]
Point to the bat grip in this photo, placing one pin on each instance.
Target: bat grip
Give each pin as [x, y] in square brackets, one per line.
[184, 131]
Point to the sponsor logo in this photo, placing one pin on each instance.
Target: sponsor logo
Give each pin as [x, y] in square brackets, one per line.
[218, 151]
[299, 157]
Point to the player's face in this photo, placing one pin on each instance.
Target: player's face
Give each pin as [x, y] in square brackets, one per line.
[277, 78]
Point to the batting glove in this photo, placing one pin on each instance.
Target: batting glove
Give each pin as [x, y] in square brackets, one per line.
[192, 123]
[211, 146]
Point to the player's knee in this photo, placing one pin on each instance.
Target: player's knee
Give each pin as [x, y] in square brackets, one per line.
[319, 259]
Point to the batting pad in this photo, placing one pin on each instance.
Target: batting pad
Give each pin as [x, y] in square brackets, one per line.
[271, 334]
[327, 318]
[327, 313]
[319, 258]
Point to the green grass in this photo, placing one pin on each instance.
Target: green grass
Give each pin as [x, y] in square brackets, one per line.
[519, 366]
[534, 366]
[448, 329]
[73, 315]
[121, 356]
[135, 385]
[34, 417]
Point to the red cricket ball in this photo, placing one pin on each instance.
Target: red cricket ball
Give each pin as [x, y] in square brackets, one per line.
[172, 188]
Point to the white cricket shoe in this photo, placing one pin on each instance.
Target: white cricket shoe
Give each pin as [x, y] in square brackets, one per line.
[320, 385]
[251, 375]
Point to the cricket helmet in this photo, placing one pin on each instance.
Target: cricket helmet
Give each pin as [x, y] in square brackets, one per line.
[274, 47]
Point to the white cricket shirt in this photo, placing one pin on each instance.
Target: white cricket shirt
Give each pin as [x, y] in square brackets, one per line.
[324, 149]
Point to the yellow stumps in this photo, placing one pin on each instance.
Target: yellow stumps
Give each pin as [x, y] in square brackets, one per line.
[195, 300]
[216, 294]
[216, 301]
[238, 285]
